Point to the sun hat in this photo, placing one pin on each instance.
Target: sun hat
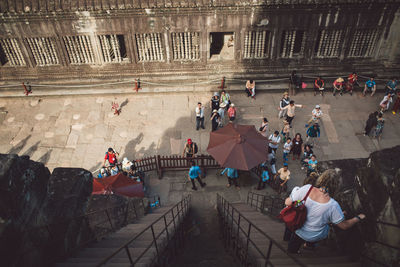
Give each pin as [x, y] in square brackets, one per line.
[232, 105]
[340, 80]
[317, 106]
[215, 111]
[285, 93]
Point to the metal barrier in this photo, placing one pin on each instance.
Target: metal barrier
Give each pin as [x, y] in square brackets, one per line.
[95, 224]
[176, 215]
[271, 205]
[231, 219]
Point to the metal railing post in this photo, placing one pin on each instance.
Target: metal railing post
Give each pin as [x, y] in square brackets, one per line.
[268, 253]
[154, 240]
[166, 227]
[109, 219]
[129, 254]
[247, 243]
[237, 235]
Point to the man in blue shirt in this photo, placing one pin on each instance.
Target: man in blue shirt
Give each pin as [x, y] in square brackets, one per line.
[194, 173]
[312, 165]
[370, 86]
[391, 86]
[314, 131]
[232, 177]
[264, 179]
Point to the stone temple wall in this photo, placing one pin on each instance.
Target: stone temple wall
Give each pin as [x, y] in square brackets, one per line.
[79, 39]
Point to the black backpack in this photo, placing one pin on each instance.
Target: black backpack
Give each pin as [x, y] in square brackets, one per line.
[196, 149]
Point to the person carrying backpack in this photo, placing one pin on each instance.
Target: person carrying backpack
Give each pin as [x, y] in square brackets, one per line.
[190, 149]
[111, 157]
[232, 177]
[194, 174]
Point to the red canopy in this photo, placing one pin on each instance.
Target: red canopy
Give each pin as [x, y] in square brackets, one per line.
[117, 184]
[238, 146]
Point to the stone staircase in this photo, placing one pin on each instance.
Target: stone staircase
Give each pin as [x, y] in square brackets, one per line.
[266, 234]
[152, 237]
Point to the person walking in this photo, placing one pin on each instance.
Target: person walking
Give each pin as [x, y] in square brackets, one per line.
[274, 140]
[313, 132]
[251, 88]
[287, 146]
[190, 149]
[371, 122]
[111, 157]
[283, 103]
[194, 174]
[297, 147]
[338, 86]
[316, 115]
[322, 211]
[379, 126]
[370, 86]
[214, 103]
[215, 120]
[396, 105]
[319, 86]
[272, 160]
[232, 112]
[291, 111]
[282, 177]
[232, 177]
[199, 116]
[264, 128]
[264, 179]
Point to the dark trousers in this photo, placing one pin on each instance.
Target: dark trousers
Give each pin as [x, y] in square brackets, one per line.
[261, 184]
[289, 119]
[233, 181]
[295, 242]
[199, 123]
[248, 92]
[199, 180]
[396, 105]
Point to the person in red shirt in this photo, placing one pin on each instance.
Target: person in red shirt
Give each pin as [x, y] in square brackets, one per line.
[232, 112]
[111, 157]
[351, 81]
[319, 85]
[338, 86]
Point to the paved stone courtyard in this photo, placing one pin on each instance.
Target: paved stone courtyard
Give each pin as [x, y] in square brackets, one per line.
[75, 131]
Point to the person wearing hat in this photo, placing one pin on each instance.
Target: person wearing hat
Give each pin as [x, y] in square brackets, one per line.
[284, 176]
[189, 149]
[225, 100]
[283, 103]
[215, 120]
[291, 111]
[214, 103]
[316, 115]
[232, 112]
[338, 86]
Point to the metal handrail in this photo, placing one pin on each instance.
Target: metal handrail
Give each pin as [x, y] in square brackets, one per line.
[184, 207]
[263, 201]
[226, 206]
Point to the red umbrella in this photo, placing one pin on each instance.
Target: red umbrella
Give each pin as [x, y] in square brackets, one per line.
[117, 184]
[238, 146]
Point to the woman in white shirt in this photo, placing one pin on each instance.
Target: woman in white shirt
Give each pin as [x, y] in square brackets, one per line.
[321, 211]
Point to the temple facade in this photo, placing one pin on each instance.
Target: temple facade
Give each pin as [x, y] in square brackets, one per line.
[116, 39]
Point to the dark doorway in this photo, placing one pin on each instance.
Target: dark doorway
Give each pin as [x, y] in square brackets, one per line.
[3, 58]
[221, 45]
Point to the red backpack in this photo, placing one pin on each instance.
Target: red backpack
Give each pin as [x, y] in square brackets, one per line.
[295, 215]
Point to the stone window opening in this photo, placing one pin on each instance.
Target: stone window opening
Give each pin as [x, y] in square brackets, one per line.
[363, 43]
[79, 49]
[185, 45]
[10, 53]
[149, 47]
[292, 43]
[113, 48]
[43, 51]
[329, 43]
[256, 44]
[222, 45]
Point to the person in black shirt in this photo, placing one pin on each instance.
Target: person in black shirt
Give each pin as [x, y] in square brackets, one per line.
[214, 103]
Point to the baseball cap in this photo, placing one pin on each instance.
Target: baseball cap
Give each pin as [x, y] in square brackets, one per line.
[317, 106]
[189, 141]
[285, 164]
